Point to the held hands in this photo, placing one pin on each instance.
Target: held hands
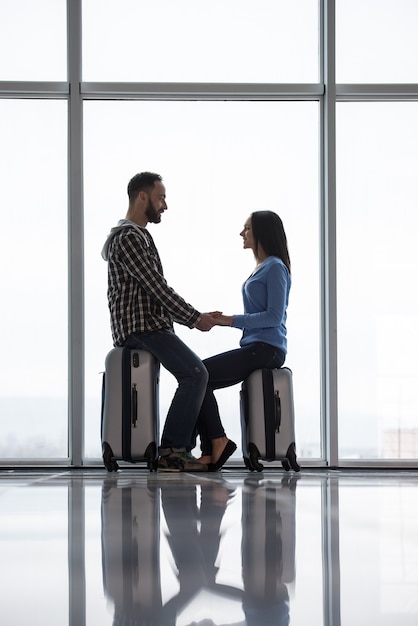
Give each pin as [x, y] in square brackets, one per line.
[206, 322]
[214, 318]
[220, 319]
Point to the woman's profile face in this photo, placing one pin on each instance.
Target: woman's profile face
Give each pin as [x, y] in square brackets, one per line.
[247, 235]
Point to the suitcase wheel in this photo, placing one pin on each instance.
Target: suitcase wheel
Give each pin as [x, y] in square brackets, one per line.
[254, 455]
[291, 457]
[108, 460]
[151, 456]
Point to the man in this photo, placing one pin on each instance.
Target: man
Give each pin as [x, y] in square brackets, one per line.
[143, 308]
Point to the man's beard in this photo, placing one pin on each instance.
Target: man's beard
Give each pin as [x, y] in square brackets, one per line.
[152, 214]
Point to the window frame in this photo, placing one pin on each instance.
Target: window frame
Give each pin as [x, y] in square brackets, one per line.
[326, 92]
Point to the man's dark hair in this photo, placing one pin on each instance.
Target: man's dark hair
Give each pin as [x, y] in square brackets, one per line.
[144, 181]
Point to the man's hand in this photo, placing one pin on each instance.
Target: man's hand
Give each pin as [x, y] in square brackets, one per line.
[206, 322]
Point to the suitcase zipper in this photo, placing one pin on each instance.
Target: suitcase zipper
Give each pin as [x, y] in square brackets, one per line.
[278, 411]
[134, 405]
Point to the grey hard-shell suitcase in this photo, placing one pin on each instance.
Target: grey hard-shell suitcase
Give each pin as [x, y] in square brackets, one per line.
[130, 536]
[267, 419]
[130, 408]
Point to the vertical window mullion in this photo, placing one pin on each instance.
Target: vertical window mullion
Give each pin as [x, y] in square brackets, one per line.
[75, 237]
[328, 244]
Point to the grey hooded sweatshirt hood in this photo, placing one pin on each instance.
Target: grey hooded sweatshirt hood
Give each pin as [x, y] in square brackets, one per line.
[120, 226]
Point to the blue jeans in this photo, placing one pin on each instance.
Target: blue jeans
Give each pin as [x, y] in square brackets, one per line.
[192, 376]
[225, 370]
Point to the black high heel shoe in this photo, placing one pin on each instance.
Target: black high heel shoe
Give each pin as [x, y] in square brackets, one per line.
[226, 453]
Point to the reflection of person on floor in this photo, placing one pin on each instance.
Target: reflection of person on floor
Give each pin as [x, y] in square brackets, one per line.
[194, 537]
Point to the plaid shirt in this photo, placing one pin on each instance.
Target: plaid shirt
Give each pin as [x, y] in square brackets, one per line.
[139, 297]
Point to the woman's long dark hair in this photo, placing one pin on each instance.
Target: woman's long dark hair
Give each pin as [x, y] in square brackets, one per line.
[269, 233]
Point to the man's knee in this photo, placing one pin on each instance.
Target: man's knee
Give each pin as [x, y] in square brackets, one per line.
[201, 375]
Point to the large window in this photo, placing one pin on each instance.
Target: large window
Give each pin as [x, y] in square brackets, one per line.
[377, 161]
[240, 106]
[220, 161]
[376, 41]
[33, 270]
[33, 40]
[238, 41]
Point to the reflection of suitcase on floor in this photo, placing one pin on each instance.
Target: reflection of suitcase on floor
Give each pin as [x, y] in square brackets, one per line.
[267, 419]
[130, 552]
[130, 408]
[268, 548]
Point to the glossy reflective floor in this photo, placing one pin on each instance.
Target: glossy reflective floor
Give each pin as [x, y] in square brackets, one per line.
[83, 547]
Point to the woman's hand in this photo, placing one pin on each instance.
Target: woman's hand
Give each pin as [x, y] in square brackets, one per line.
[220, 319]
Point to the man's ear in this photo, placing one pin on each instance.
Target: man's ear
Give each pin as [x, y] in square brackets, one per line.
[142, 195]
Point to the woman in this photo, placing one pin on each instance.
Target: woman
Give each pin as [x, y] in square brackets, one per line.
[263, 343]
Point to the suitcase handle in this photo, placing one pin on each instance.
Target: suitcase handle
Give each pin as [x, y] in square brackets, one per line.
[277, 411]
[134, 405]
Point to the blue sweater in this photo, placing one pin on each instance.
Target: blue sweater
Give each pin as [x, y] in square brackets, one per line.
[266, 295]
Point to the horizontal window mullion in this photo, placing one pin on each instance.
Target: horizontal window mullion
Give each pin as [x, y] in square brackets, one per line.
[23, 89]
[200, 91]
[376, 91]
[207, 91]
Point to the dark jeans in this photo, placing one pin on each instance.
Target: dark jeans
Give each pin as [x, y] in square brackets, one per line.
[225, 370]
[192, 376]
